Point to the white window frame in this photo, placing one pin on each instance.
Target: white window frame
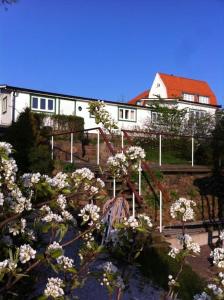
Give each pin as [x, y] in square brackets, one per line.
[47, 99]
[127, 111]
[194, 112]
[188, 97]
[4, 105]
[203, 99]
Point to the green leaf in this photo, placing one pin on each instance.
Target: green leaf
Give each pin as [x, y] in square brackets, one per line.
[45, 228]
[56, 253]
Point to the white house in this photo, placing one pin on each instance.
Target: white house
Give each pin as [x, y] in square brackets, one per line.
[13, 100]
[193, 95]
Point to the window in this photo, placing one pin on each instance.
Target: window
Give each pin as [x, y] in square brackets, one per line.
[127, 114]
[4, 105]
[43, 104]
[196, 114]
[203, 99]
[156, 117]
[188, 97]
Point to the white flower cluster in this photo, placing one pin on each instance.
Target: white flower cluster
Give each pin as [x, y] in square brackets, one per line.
[59, 181]
[218, 257]
[135, 153]
[145, 220]
[131, 222]
[12, 195]
[85, 178]
[6, 148]
[18, 227]
[30, 179]
[202, 296]
[171, 281]
[54, 246]
[50, 216]
[54, 288]
[9, 168]
[109, 268]
[102, 115]
[90, 212]
[186, 240]
[182, 208]
[88, 237]
[65, 262]
[18, 203]
[7, 264]
[174, 252]
[81, 174]
[26, 253]
[217, 291]
[61, 201]
[118, 165]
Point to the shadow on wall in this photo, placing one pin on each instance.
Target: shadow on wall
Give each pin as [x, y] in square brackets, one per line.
[211, 190]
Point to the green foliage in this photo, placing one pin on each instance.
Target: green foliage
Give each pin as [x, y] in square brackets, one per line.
[31, 143]
[63, 123]
[157, 266]
[169, 119]
[69, 168]
[218, 142]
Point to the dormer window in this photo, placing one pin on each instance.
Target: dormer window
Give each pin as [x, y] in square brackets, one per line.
[203, 99]
[188, 97]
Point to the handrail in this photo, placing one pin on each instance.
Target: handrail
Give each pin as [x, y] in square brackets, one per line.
[166, 134]
[113, 152]
[146, 168]
[74, 131]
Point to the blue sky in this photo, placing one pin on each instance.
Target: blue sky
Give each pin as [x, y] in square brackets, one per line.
[111, 49]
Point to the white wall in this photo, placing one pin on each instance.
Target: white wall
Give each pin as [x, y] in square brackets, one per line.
[158, 88]
[142, 114]
[66, 107]
[22, 101]
[195, 106]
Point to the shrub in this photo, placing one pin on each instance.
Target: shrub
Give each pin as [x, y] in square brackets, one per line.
[31, 143]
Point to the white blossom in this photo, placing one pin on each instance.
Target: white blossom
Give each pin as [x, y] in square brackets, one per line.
[90, 212]
[202, 296]
[54, 288]
[54, 246]
[218, 257]
[183, 208]
[171, 281]
[65, 262]
[146, 219]
[217, 291]
[26, 253]
[131, 222]
[174, 252]
[61, 201]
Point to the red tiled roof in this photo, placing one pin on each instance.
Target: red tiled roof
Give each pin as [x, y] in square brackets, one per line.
[176, 86]
[143, 95]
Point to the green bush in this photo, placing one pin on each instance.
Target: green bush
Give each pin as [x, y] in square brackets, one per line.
[31, 143]
[63, 123]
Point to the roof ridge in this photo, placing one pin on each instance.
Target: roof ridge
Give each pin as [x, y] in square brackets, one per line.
[171, 75]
